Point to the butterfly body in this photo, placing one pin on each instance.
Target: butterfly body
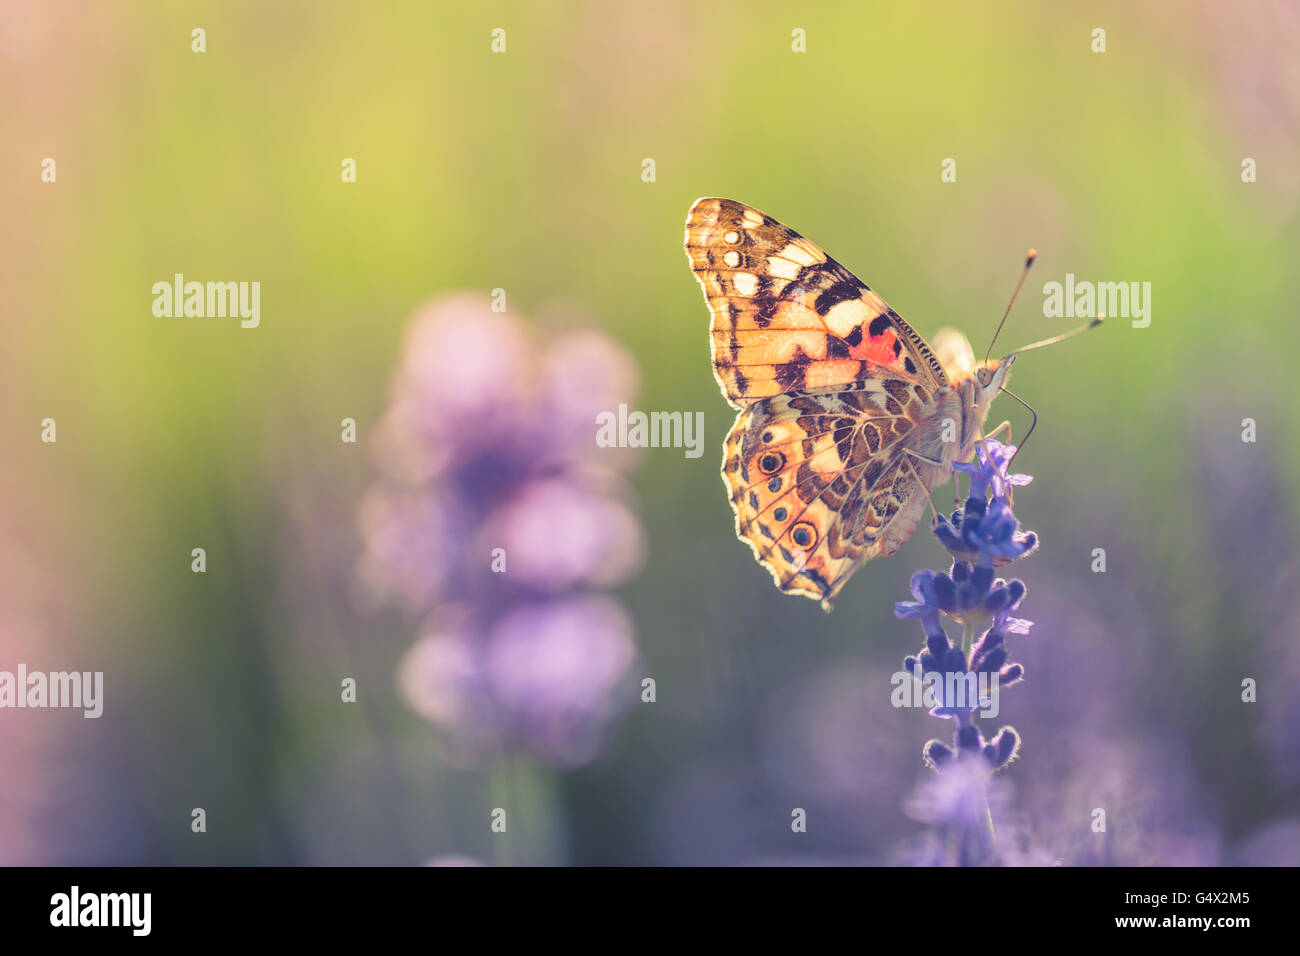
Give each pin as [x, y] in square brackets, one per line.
[847, 417]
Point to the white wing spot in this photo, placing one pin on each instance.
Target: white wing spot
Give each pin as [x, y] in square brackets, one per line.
[746, 283]
[782, 268]
[845, 316]
[732, 258]
[797, 253]
[732, 237]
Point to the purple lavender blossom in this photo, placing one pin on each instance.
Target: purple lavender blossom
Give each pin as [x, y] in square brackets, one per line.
[982, 535]
[497, 515]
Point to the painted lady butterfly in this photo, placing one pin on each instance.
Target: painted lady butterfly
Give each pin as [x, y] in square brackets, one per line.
[847, 417]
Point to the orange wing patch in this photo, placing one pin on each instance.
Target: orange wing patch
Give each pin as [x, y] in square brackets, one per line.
[786, 316]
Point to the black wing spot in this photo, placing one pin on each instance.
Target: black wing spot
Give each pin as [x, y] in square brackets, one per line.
[878, 325]
[843, 291]
[793, 375]
[897, 389]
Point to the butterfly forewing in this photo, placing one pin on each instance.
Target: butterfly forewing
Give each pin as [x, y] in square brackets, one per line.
[786, 316]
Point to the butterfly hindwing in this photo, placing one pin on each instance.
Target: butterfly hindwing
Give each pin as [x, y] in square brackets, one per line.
[819, 485]
[786, 316]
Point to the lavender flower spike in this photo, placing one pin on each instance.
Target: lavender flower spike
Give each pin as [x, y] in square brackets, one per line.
[982, 535]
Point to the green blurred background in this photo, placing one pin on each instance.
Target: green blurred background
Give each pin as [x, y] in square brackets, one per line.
[523, 171]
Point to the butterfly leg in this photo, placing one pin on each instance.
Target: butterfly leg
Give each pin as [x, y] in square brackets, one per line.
[1004, 427]
[1033, 422]
[908, 462]
[916, 454]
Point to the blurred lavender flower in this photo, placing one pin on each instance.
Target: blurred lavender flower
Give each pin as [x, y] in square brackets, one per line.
[1275, 845]
[957, 805]
[982, 535]
[28, 748]
[496, 511]
[1245, 482]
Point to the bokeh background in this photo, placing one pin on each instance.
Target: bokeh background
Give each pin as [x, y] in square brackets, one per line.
[523, 171]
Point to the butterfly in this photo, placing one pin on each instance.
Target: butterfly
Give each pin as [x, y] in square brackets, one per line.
[847, 417]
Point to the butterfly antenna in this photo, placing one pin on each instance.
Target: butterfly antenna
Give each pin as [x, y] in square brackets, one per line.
[1029, 261]
[1062, 337]
[1038, 345]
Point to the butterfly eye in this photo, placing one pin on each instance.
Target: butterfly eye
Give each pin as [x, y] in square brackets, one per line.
[984, 376]
[804, 534]
[770, 463]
